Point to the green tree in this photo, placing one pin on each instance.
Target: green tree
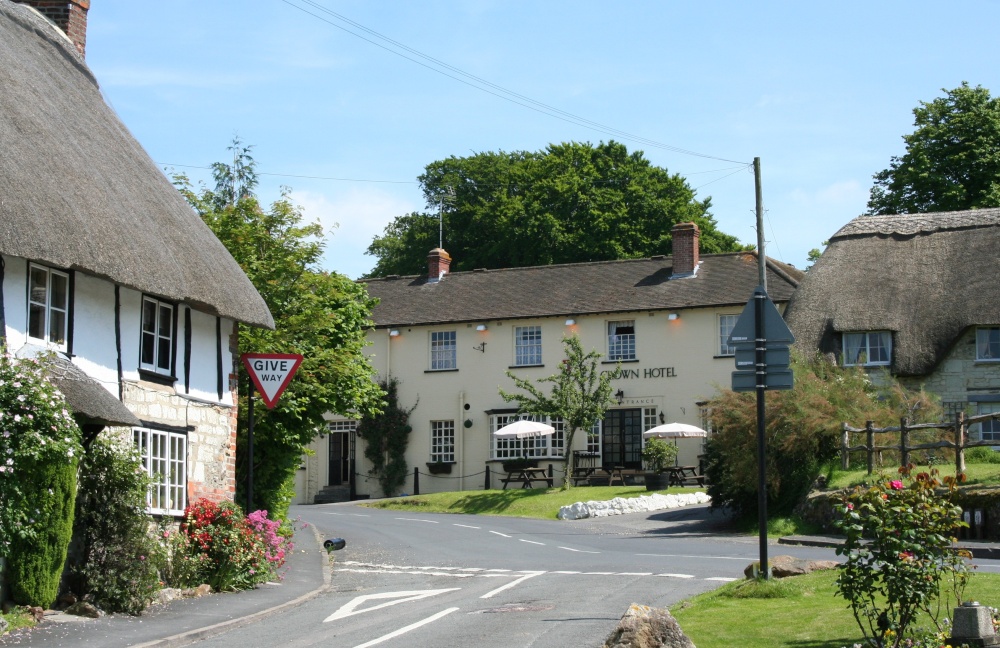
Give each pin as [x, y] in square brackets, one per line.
[568, 203]
[952, 159]
[580, 394]
[321, 315]
[802, 431]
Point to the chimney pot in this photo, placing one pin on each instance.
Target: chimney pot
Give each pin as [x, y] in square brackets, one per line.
[438, 264]
[685, 245]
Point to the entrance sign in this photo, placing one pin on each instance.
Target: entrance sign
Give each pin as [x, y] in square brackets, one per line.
[271, 373]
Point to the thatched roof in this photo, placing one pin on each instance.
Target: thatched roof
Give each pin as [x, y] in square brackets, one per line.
[574, 289]
[925, 277]
[77, 191]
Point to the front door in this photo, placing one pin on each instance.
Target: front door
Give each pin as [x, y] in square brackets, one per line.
[339, 466]
[621, 441]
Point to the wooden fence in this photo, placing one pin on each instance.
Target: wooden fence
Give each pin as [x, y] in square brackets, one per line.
[959, 433]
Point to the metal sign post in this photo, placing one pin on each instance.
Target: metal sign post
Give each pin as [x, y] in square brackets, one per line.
[270, 373]
[761, 338]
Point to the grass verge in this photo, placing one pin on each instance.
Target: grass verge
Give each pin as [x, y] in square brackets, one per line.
[799, 612]
[18, 618]
[543, 503]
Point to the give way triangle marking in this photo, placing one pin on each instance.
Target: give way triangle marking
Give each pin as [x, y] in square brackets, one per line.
[349, 609]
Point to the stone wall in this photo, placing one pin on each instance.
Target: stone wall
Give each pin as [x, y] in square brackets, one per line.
[960, 375]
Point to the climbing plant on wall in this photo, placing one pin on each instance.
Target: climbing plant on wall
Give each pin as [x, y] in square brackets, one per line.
[386, 436]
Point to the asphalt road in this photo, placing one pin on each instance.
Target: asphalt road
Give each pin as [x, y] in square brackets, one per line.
[414, 580]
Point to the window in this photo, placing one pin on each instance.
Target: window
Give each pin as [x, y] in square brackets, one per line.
[48, 305]
[157, 345]
[872, 348]
[164, 456]
[989, 430]
[621, 340]
[594, 438]
[726, 324]
[443, 350]
[442, 440]
[527, 447]
[527, 345]
[988, 344]
[342, 426]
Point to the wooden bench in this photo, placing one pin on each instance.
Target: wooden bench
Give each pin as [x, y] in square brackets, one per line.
[527, 477]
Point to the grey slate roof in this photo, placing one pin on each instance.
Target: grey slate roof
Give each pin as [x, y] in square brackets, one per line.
[926, 277]
[77, 191]
[574, 289]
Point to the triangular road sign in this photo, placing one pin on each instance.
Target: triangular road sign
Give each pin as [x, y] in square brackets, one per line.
[271, 373]
[775, 329]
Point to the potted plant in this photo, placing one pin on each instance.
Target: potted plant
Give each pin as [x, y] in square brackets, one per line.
[439, 467]
[519, 463]
[658, 455]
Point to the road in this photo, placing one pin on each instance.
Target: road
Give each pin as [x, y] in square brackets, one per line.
[411, 579]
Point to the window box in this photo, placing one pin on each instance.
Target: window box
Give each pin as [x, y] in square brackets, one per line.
[439, 467]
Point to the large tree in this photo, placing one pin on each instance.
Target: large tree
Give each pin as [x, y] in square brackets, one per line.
[321, 315]
[570, 202]
[952, 159]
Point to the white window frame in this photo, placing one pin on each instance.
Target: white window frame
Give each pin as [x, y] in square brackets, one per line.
[988, 430]
[859, 345]
[988, 344]
[348, 425]
[727, 322]
[594, 437]
[46, 309]
[443, 441]
[161, 310]
[527, 346]
[539, 447]
[444, 350]
[621, 346]
[164, 456]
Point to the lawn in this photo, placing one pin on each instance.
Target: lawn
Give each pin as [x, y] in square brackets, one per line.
[976, 474]
[541, 503]
[807, 614]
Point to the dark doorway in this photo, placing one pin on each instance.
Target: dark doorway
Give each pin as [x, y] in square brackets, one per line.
[339, 459]
[621, 443]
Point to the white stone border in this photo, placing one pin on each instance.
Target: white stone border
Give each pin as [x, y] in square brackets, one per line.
[622, 505]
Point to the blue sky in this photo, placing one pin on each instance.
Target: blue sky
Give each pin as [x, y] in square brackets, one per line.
[821, 92]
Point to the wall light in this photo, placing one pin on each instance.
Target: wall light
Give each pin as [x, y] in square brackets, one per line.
[394, 333]
[570, 322]
[481, 327]
[619, 396]
[673, 316]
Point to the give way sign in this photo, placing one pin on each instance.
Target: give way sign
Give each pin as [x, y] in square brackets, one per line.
[271, 373]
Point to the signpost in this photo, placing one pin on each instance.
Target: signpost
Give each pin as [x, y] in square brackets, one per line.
[761, 338]
[270, 373]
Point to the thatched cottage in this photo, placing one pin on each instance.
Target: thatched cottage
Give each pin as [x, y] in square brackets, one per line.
[916, 294]
[103, 263]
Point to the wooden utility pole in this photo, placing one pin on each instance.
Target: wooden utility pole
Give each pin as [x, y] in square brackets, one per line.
[761, 262]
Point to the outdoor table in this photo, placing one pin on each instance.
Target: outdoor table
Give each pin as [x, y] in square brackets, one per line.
[682, 475]
[527, 476]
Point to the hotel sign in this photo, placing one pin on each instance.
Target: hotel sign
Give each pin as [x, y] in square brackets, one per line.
[639, 373]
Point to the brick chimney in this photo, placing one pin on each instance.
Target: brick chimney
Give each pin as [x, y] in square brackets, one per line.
[68, 15]
[438, 264]
[685, 246]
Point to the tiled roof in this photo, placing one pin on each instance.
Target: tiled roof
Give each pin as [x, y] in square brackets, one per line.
[574, 289]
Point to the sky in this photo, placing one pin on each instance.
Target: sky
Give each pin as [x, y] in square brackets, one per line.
[346, 101]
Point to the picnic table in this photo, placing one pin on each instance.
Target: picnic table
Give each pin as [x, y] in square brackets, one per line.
[684, 476]
[526, 477]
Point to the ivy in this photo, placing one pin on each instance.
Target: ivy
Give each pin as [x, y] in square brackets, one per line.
[386, 436]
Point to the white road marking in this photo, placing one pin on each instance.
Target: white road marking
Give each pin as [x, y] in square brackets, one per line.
[686, 556]
[350, 609]
[721, 579]
[676, 575]
[503, 535]
[466, 526]
[471, 572]
[634, 574]
[416, 520]
[345, 514]
[531, 542]
[598, 573]
[565, 572]
[511, 584]
[406, 629]
[579, 550]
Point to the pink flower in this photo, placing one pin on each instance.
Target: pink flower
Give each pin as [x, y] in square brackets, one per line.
[895, 484]
[850, 506]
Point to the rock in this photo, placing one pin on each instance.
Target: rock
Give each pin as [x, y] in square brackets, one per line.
[622, 505]
[197, 592]
[3, 625]
[644, 627]
[167, 594]
[84, 609]
[66, 599]
[784, 566]
[37, 613]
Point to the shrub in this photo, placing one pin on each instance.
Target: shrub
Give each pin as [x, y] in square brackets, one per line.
[115, 563]
[658, 454]
[386, 436]
[899, 549]
[39, 450]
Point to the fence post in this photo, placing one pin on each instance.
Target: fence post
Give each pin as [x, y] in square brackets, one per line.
[870, 443]
[904, 442]
[486, 486]
[960, 437]
[845, 444]
[416, 480]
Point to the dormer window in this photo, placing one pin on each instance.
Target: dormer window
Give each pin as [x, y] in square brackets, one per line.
[868, 348]
[988, 344]
[48, 305]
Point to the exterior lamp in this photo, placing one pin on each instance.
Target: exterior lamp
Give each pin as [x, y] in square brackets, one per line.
[619, 396]
[481, 327]
[673, 316]
[394, 333]
[570, 322]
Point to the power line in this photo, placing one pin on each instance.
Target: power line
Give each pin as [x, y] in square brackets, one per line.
[483, 85]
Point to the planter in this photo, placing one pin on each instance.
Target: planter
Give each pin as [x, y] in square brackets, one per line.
[656, 481]
[439, 468]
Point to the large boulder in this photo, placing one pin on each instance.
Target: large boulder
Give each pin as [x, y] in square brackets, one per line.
[644, 627]
[784, 566]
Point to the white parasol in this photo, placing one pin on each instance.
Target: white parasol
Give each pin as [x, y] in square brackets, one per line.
[674, 431]
[523, 429]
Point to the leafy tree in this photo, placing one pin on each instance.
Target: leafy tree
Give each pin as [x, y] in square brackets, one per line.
[952, 159]
[319, 314]
[386, 436]
[580, 394]
[570, 202]
[802, 428]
